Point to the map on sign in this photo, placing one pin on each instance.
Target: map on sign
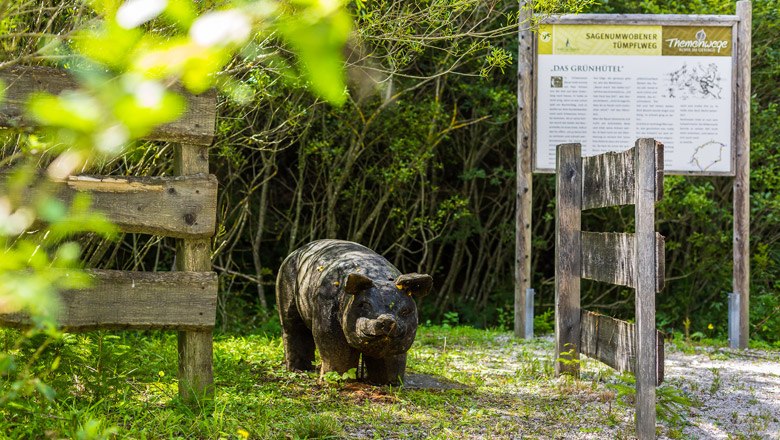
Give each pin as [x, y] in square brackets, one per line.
[604, 86]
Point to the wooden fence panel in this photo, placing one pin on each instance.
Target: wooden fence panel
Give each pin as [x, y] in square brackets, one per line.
[635, 260]
[183, 207]
[137, 300]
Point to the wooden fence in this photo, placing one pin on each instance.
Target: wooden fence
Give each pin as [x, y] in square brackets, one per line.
[634, 176]
[182, 206]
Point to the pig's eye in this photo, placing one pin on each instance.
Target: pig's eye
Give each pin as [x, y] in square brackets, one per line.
[406, 311]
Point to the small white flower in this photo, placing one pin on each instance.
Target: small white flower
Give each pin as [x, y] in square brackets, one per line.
[112, 139]
[17, 222]
[149, 94]
[64, 165]
[20, 220]
[134, 13]
[221, 28]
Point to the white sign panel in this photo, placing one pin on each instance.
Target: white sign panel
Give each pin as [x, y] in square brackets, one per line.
[604, 86]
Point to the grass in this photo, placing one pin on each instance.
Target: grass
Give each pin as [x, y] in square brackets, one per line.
[489, 385]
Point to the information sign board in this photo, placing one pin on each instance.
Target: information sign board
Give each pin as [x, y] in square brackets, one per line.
[606, 85]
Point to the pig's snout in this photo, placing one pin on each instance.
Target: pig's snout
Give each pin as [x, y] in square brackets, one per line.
[383, 325]
[386, 325]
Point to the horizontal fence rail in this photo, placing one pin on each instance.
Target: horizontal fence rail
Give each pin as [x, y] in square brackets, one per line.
[180, 207]
[196, 126]
[608, 256]
[609, 179]
[136, 300]
[613, 342]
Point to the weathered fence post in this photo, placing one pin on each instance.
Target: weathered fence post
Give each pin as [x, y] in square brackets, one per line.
[196, 376]
[568, 190]
[645, 267]
[742, 171]
[524, 183]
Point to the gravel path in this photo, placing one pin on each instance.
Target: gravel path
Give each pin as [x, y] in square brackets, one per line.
[736, 393]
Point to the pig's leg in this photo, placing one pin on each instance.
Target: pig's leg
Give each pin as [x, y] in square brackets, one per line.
[387, 370]
[296, 337]
[334, 350]
[340, 362]
[298, 342]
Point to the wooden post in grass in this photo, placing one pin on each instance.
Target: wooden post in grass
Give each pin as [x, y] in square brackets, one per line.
[196, 377]
[645, 272]
[524, 182]
[742, 172]
[568, 207]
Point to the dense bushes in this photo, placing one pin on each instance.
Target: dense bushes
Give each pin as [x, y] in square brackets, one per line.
[421, 168]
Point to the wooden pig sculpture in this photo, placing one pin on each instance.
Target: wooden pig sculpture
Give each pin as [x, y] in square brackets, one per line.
[345, 299]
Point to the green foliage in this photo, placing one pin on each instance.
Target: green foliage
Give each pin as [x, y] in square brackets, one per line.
[672, 405]
[334, 377]
[316, 426]
[765, 216]
[450, 319]
[544, 322]
[317, 31]
[568, 360]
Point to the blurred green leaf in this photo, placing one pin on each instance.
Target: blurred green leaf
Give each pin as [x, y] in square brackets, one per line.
[7, 363]
[141, 116]
[72, 110]
[317, 35]
[181, 12]
[109, 44]
[51, 210]
[67, 255]
[45, 390]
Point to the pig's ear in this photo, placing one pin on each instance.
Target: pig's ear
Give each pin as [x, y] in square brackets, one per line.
[357, 283]
[415, 284]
